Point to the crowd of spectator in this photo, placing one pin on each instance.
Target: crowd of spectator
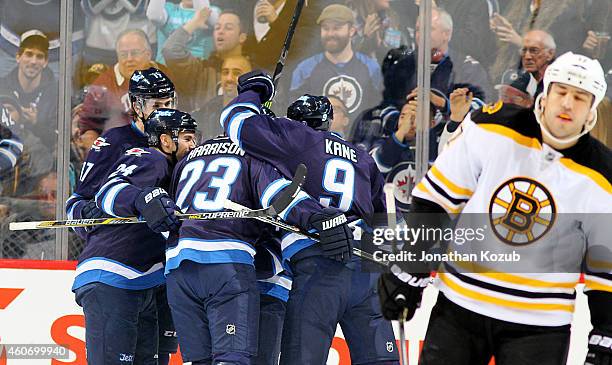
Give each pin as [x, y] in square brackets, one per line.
[362, 54]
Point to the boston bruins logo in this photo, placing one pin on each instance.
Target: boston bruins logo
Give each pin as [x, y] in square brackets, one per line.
[345, 88]
[521, 211]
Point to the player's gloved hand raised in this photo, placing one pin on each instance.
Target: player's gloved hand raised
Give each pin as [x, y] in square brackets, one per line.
[335, 236]
[395, 294]
[91, 211]
[158, 210]
[258, 81]
[600, 348]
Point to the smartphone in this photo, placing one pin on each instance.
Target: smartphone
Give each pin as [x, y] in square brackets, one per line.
[200, 4]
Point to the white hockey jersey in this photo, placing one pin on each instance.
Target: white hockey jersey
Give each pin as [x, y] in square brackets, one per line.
[553, 208]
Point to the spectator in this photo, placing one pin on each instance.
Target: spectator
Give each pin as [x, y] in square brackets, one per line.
[34, 87]
[339, 71]
[451, 66]
[471, 34]
[537, 52]
[378, 27]
[36, 161]
[209, 114]
[106, 21]
[568, 21]
[518, 87]
[10, 145]
[448, 66]
[265, 13]
[196, 78]
[168, 16]
[265, 51]
[19, 16]
[340, 122]
[110, 102]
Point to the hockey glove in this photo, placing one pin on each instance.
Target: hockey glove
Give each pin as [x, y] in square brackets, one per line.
[336, 237]
[258, 81]
[397, 294]
[600, 348]
[91, 211]
[158, 210]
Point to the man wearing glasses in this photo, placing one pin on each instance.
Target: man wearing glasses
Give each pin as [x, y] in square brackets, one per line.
[133, 53]
[537, 52]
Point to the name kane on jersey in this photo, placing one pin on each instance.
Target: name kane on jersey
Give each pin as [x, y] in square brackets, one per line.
[341, 150]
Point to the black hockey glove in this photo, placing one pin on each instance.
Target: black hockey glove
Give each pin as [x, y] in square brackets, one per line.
[336, 237]
[396, 295]
[91, 211]
[5, 133]
[600, 348]
[258, 81]
[158, 210]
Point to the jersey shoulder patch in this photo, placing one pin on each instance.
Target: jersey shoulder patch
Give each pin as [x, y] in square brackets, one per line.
[519, 119]
[137, 151]
[100, 143]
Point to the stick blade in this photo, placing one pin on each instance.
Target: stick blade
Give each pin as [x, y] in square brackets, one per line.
[287, 195]
[23, 226]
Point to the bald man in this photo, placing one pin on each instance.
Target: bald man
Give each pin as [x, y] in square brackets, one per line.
[537, 52]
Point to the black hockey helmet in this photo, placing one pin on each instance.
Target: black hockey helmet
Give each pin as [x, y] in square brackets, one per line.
[314, 111]
[150, 84]
[394, 56]
[168, 121]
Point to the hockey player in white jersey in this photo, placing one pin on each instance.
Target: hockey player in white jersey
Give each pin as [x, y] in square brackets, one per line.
[544, 183]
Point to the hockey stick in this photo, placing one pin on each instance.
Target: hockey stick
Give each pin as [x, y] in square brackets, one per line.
[279, 204]
[286, 45]
[287, 227]
[389, 190]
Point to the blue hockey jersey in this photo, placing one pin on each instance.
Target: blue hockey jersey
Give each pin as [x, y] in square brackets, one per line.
[273, 276]
[339, 174]
[212, 173]
[101, 158]
[128, 256]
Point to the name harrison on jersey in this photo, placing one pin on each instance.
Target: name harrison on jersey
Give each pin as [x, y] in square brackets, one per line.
[216, 148]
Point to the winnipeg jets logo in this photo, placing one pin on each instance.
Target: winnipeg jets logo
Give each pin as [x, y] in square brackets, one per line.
[136, 152]
[402, 177]
[347, 89]
[99, 143]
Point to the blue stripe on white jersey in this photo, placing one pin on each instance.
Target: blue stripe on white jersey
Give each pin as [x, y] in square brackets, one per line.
[291, 243]
[114, 273]
[215, 251]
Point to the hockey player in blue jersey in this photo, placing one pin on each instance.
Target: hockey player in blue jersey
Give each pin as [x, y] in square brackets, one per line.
[340, 176]
[274, 283]
[137, 187]
[148, 90]
[211, 280]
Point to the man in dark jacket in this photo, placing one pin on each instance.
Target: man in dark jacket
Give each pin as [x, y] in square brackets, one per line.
[35, 87]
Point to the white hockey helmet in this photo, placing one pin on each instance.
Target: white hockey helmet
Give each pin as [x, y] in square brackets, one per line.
[578, 71]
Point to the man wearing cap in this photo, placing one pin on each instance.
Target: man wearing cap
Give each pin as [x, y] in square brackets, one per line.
[339, 71]
[517, 87]
[34, 86]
